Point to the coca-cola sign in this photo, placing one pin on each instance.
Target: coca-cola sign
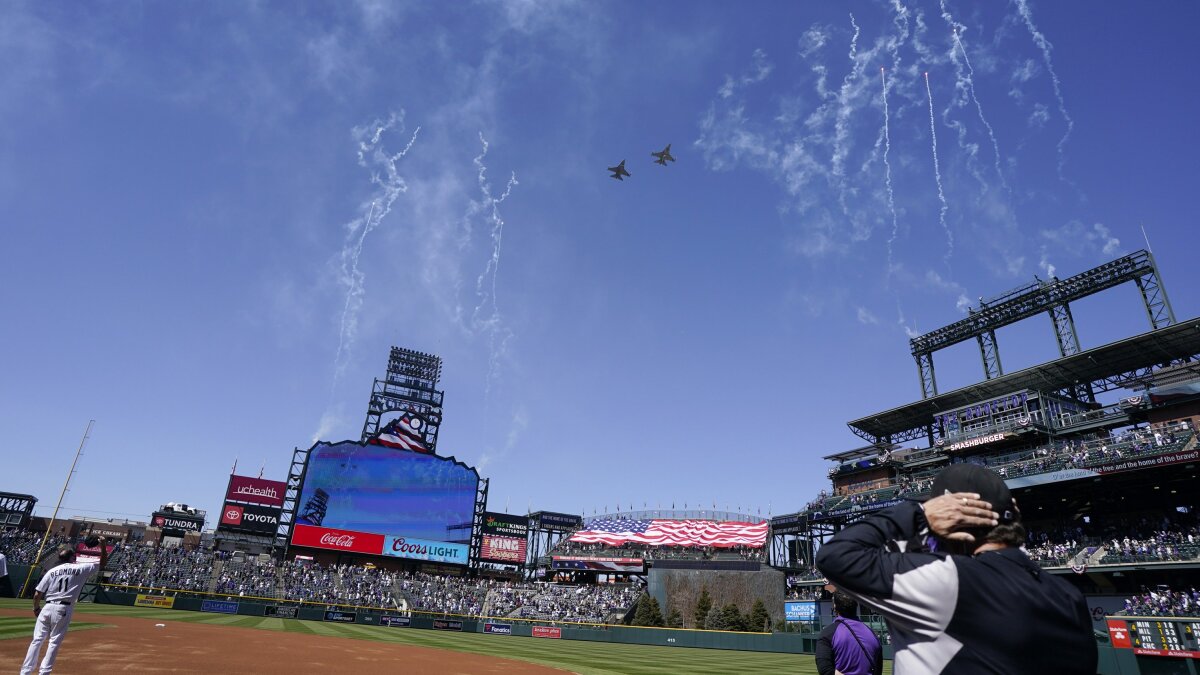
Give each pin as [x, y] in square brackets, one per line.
[256, 490]
[337, 540]
[425, 549]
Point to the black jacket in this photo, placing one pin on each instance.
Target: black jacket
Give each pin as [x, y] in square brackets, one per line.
[995, 612]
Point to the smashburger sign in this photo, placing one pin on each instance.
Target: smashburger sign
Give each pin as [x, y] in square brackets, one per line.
[337, 540]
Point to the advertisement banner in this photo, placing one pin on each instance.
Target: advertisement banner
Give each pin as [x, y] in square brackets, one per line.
[498, 628]
[599, 564]
[337, 540]
[89, 554]
[447, 624]
[547, 632]
[424, 549]
[249, 518]
[282, 612]
[219, 606]
[395, 621]
[559, 522]
[255, 491]
[505, 525]
[495, 548]
[1118, 634]
[340, 617]
[1149, 462]
[176, 522]
[112, 532]
[800, 611]
[160, 601]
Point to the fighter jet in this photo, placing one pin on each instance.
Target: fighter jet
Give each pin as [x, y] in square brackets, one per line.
[619, 170]
[664, 156]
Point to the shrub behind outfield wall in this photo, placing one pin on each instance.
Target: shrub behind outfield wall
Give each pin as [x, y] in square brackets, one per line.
[680, 589]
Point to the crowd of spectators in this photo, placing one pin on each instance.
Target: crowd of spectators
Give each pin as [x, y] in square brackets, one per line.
[21, 547]
[247, 577]
[1164, 602]
[1079, 452]
[169, 568]
[649, 552]
[585, 603]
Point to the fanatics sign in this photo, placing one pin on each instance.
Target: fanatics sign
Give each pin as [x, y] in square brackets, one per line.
[255, 491]
[337, 540]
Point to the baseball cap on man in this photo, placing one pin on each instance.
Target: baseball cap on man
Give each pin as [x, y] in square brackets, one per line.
[986, 483]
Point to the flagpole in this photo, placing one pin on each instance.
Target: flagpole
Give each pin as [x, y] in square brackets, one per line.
[49, 527]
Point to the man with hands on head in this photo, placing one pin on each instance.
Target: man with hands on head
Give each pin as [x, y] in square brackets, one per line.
[60, 588]
[958, 593]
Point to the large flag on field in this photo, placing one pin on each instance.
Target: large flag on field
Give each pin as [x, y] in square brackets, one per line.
[404, 433]
[615, 531]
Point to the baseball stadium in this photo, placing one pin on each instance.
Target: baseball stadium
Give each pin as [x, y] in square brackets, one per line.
[383, 552]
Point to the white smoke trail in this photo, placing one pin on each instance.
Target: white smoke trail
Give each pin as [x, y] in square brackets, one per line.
[391, 185]
[967, 80]
[485, 285]
[841, 133]
[1046, 47]
[887, 175]
[937, 175]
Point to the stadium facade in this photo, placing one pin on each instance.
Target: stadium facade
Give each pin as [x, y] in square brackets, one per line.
[1099, 446]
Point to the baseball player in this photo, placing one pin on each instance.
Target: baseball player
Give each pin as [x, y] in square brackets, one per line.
[60, 589]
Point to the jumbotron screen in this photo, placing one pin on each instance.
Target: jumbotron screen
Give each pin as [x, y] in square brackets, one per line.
[387, 494]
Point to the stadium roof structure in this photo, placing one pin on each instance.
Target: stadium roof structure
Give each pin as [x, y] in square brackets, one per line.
[1116, 365]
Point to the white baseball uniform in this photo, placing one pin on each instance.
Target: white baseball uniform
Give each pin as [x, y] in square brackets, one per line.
[60, 587]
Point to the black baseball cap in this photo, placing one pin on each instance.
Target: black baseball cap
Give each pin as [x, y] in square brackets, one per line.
[986, 483]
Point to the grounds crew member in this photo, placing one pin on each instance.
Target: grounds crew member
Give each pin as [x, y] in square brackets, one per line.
[847, 646]
[958, 593]
[60, 589]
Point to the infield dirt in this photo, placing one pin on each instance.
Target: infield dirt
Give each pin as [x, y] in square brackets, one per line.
[136, 645]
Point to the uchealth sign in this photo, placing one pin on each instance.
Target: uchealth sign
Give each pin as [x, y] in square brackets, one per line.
[425, 549]
[255, 491]
[249, 518]
[337, 540]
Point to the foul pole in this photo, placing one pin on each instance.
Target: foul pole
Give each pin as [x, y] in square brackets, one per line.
[50, 527]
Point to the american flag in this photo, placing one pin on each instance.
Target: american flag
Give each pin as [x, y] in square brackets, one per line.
[615, 531]
[402, 433]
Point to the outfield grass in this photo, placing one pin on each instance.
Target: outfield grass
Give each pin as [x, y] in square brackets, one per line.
[19, 627]
[586, 658]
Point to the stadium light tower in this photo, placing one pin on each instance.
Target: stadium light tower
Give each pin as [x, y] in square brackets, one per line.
[409, 386]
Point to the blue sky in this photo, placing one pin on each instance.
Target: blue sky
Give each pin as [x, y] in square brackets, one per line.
[218, 218]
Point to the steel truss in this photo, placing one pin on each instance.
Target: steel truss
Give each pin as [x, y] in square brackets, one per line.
[409, 386]
[481, 493]
[1053, 297]
[291, 499]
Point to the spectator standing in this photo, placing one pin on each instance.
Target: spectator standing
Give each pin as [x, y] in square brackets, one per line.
[60, 589]
[967, 599]
[847, 646]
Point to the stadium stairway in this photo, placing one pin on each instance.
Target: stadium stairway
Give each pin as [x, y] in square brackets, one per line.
[215, 578]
